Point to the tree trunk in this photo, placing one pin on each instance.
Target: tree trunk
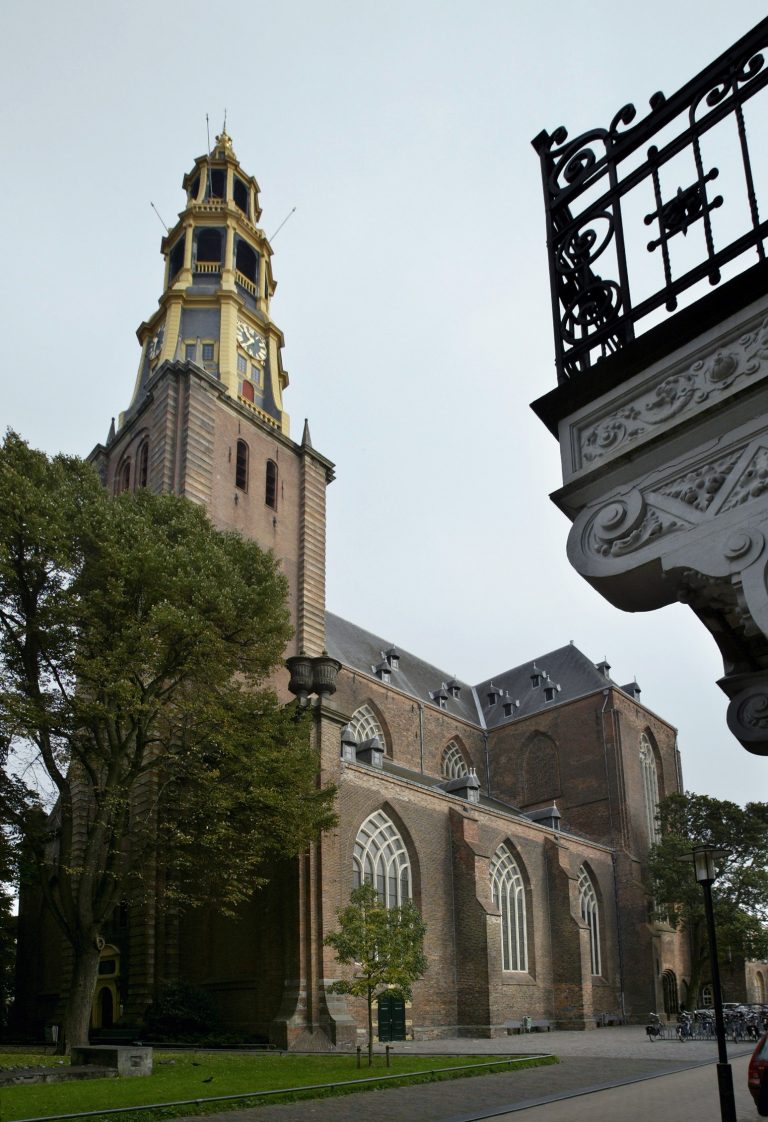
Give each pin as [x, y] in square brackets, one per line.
[370, 1027]
[77, 1013]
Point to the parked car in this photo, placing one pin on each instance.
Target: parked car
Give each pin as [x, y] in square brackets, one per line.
[757, 1076]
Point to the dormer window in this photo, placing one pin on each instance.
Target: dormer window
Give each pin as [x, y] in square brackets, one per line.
[440, 697]
[537, 676]
[493, 694]
[393, 658]
[453, 687]
[550, 689]
[382, 670]
[510, 708]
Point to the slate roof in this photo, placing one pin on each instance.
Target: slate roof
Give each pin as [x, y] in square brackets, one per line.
[361, 650]
[567, 672]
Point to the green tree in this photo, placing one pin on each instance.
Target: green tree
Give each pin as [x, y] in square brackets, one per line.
[135, 643]
[385, 945]
[740, 893]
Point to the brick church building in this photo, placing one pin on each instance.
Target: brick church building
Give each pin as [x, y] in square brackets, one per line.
[517, 813]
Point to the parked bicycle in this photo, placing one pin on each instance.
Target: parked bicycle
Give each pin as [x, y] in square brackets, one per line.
[653, 1028]
[684, 1026]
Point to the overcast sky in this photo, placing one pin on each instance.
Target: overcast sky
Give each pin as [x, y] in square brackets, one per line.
[412, 283]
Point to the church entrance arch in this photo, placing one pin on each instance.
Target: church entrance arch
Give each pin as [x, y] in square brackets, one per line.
[669, 988]
[391, 1018]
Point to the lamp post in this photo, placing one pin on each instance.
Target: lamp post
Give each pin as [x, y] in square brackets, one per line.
[703, 858]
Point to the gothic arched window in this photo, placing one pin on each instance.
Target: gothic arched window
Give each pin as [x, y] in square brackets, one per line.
[241, 466]
[365, 725]
[454, 765]
[142, 465]
[270, 485]
[650, 787]
[380, 859]
[590, 913]
[508, 893]
[124, 477]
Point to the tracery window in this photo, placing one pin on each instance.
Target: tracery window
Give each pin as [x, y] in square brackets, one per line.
[380, 859]
[508, 891]
[365, 725]
[590, 913]
[650, 787]
[454, 765]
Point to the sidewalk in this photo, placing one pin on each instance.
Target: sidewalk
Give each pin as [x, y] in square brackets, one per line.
[591, 1062]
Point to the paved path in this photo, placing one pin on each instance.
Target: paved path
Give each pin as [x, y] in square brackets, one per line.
[612, 1072]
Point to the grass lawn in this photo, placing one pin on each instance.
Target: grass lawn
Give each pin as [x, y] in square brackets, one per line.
[199, 1075]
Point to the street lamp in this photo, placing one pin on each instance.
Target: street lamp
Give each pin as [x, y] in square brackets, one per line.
[703, 859]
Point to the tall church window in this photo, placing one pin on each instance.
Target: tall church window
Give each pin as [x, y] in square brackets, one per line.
[124, 477]
[241, 466]
[365, 725]
[590, 913]
[454, 765]
[380, 859]
[650, 787]
[270, 485]
[508, 891]
[142, 465]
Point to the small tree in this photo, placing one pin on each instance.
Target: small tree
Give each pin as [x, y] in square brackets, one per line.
[740, 893]
[385, 945]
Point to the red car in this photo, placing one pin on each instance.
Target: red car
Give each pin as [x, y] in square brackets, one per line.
[757, 1076]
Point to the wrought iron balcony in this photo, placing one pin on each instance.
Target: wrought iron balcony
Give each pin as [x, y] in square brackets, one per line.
[639, 219]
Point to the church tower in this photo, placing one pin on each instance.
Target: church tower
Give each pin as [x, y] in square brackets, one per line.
[206, 419]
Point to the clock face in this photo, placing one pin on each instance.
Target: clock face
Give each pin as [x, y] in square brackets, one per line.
[251, 341]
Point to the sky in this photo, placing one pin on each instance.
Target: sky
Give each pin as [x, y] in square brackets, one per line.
[412, 284]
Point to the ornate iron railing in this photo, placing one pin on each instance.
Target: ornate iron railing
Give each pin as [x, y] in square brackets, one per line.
[605, 192]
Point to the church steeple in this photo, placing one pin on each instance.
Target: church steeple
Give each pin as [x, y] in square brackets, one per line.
[214, 309]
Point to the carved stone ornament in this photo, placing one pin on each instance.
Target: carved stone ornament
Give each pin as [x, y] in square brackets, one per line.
[674, 395]
[747, 717]
[631, 522]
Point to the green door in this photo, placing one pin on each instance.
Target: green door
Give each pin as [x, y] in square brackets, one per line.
[391, 1018]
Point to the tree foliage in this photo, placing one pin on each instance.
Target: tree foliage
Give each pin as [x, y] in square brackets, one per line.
[740, 893]
[385, 945]
[135, 643]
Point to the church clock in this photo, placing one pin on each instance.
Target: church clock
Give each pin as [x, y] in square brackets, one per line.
[251, 341]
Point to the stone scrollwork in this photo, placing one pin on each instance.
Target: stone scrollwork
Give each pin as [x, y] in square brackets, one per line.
[622, 526]
[675, 394]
